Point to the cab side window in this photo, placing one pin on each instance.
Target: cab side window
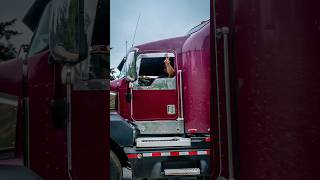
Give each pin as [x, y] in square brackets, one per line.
[152, 74]
[40, 40]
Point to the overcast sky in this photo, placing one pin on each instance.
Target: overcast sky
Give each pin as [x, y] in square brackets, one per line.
[159, 19]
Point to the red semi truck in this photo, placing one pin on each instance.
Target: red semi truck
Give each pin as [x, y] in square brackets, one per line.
[161, 124]
[243, 103]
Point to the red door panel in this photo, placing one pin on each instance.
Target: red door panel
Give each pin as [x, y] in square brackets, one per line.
[152, 104]
[47, 144]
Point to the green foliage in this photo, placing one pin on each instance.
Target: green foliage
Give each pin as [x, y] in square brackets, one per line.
[7, 50]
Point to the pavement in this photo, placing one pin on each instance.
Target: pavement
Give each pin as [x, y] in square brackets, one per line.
[127, 175]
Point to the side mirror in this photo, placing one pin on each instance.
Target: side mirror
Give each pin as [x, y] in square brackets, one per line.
[132, 71]
[67, 37]
[120, 66]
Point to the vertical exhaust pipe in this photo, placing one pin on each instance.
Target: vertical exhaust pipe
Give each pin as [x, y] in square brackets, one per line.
[224, 31]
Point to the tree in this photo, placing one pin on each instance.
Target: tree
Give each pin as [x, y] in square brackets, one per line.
[7, 50]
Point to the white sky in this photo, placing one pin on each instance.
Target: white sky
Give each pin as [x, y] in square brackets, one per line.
[159, 19]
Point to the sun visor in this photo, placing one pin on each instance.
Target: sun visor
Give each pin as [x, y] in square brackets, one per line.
[32, 17]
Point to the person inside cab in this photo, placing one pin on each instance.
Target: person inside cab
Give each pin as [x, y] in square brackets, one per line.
[159, 73]
[167, 68]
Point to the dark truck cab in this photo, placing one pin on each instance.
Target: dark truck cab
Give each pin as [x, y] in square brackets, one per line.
[47, 124]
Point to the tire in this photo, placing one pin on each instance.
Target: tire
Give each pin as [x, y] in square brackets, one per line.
[115, 167]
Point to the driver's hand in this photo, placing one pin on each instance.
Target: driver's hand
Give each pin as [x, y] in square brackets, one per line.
[167, 61]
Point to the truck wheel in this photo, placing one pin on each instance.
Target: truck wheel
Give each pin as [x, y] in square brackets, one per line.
[115, 167]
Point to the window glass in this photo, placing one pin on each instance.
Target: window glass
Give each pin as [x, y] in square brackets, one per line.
[153, 66]
[41, 38]
[127, 65]
[123, 72]
[131, 66]
[152, 74]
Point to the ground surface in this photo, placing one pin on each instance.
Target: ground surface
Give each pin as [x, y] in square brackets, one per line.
[127, 175]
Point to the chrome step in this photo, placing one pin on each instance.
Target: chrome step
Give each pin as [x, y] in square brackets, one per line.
[182, 172]
[163, 142]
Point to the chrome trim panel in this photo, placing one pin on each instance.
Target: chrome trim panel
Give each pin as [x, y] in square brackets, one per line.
[160, 127]
[163, 142]
[182, 172]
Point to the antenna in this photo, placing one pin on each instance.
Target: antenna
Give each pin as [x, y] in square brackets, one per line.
[135, 31]
[126, 47]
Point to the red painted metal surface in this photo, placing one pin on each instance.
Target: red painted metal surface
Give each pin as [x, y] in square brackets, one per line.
[48, 148]
[152, 104]
[114, 85]
[164, 45]
[90, 134]
[219, 125]
[121, 86]
[199, 42]
[196, 63]
[275, 59]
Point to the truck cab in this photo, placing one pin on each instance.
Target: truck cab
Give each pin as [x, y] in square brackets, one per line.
[47, 121]
[154, 118]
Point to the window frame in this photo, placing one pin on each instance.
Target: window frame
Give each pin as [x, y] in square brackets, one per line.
[152, 55]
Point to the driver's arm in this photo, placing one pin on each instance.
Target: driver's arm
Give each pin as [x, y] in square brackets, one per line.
[169, 68]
